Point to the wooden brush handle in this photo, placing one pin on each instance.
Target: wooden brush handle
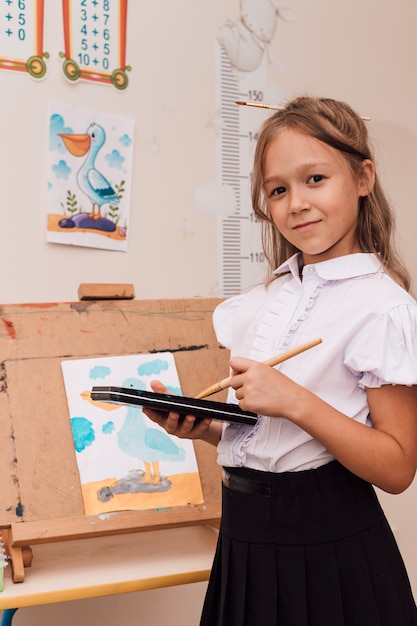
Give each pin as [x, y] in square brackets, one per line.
[276, 360]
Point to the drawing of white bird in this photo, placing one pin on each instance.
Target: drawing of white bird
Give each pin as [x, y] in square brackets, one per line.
[91, 182]
[143, 442]
[139, 439]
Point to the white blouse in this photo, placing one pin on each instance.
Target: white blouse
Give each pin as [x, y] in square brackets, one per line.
[368, 325]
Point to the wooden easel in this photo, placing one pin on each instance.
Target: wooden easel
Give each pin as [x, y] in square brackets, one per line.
[40, 498]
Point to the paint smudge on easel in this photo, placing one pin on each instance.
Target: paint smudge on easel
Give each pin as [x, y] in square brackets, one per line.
[10, 328]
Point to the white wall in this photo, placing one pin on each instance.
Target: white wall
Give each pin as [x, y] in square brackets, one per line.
[360, 51]
[363, 52]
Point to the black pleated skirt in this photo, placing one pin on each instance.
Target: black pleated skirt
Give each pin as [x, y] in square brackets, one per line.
[311, 549]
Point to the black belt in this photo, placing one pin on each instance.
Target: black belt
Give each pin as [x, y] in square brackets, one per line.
[246, 485]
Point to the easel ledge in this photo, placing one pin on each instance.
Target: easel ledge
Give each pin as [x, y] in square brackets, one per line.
[119, 523]
[41, 499]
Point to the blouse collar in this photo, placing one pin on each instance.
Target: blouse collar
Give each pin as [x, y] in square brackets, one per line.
[339, 268]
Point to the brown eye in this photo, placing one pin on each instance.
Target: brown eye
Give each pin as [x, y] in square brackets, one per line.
[278, 191]
[316, 178]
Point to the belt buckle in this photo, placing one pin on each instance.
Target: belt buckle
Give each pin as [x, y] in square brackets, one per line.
[226, 478]
[245, 485]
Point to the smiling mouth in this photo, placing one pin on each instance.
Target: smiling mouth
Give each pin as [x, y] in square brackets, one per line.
[305, 225]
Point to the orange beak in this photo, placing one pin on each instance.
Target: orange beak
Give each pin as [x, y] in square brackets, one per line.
[78, 145]
[106, 406]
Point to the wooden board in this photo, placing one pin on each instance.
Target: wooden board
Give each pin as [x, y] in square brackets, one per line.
[106, 291]
[41, 498]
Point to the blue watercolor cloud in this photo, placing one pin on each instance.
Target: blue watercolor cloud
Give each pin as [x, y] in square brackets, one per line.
[152, 367]
[125, 140]
[82, 432]
[99, 371]
[56, 126]
[62, 170]
[115, 159]
[108, 428]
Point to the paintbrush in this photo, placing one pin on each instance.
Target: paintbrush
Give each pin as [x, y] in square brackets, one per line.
[277, 107]
[223, 384]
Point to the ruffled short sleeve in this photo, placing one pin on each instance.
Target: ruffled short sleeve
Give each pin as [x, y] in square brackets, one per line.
[234, 319]
[224, 317]
[384, 351]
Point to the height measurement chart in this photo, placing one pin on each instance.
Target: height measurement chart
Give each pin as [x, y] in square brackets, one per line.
[21, 36]
[241, 256]
[95, 41]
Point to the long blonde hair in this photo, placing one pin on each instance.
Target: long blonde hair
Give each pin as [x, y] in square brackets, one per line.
[337, 125]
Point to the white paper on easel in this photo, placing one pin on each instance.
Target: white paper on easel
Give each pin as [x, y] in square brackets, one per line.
[126, 461]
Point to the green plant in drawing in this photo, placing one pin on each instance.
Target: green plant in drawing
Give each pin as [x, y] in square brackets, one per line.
[113, 210]
[71, 205]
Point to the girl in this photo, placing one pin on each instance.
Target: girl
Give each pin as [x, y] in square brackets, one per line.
[303, 540]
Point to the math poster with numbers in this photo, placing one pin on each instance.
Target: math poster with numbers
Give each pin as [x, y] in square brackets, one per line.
[95, 41]
[21, 37]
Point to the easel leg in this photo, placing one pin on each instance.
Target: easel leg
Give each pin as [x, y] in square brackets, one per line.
[19, 557]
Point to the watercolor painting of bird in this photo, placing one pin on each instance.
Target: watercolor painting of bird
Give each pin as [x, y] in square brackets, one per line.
[139, 439]
[89, 179]
[125, 460]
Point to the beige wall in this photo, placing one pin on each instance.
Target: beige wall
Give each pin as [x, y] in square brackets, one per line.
[362, 51]
[174, 606]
